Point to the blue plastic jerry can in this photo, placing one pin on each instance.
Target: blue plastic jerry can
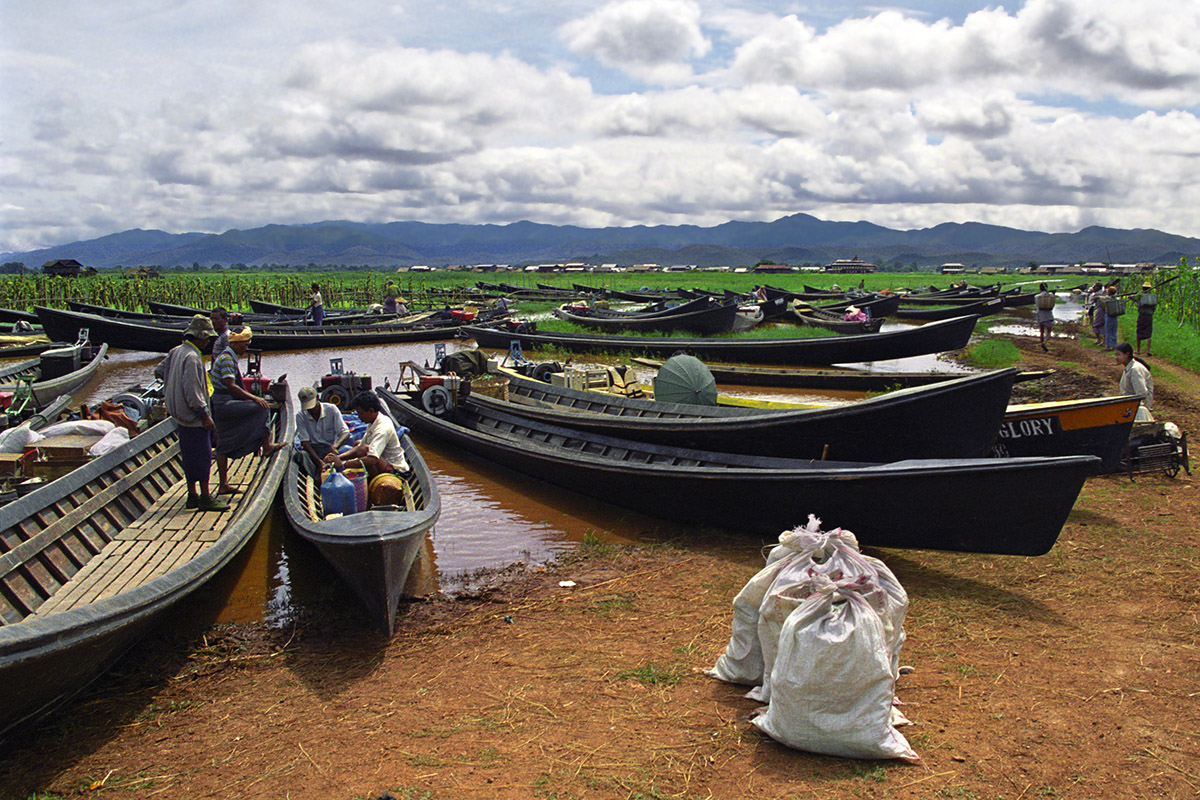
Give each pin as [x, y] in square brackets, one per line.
[337, 495]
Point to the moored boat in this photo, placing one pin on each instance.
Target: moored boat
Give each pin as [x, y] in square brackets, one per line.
[952, 419]
[1098, 426]
[373, 550]
[942, 504]
[92, 561]
[701, 316]
[162, 336]
[933, 337]
[55, 372]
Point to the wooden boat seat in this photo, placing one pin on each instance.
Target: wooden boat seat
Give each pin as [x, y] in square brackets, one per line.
[310, 497]
[164, 537]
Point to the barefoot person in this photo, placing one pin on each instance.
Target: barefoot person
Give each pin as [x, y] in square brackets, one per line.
[1044, 300]
[243, 419]
[185, 395]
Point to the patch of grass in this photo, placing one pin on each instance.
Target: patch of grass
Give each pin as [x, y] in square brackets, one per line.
[611, 605]
[992, 354]
[593, 545]
[654, 675]
[873, 773]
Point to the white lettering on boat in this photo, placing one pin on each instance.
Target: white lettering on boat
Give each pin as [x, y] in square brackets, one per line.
[1019, 429]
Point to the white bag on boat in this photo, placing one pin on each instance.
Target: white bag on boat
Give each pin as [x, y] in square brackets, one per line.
[832, 681]
[18, 439]
[742, 661]
[109, 442]
[79, 427]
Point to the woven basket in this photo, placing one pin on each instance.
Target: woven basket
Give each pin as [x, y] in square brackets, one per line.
[491, 385]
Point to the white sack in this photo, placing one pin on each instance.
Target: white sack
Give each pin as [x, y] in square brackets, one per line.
[833, 682]
[81, 427]
[742, 661]
[19, 439]
[109, 442]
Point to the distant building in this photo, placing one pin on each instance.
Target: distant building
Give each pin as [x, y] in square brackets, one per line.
[850, 265]
[952, 268]
[771, 269]
[63, 267]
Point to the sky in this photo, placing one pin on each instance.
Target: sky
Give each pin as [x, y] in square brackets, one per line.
[207, 115]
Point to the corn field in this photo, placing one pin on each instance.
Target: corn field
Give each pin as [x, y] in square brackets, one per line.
[202, 291]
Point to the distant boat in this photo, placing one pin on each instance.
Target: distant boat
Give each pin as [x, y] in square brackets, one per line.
[934, 337]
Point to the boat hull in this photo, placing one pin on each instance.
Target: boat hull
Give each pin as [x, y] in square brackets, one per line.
[54, 656]
[935, 337]
[951, 419]
[1097, 426]
[372, 551]
[960, 504]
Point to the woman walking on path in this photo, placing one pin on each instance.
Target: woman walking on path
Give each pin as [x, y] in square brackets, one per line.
[1147, 302]
[1099, 318]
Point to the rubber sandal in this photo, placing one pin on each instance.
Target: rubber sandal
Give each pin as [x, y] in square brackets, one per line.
[212, 504]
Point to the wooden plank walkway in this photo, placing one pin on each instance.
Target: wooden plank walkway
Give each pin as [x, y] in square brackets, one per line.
[167, 536]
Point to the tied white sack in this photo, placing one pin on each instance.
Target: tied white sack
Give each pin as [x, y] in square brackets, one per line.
[79, 427]
[742, 661]
[18, 439]
[109, 442]
[833, 682]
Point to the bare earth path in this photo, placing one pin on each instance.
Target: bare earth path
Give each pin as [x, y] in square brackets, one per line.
[1073, 675]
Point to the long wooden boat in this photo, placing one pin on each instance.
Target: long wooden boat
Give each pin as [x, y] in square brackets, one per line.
[933, 337]
[923, 313]
[834, 321]
[17, 315]
[842, 379]
[958, 418]
[24, 345]
[91, 561]
[160, 337]
[373, 551]
[1098, 426]
[879, 305]
[704, 316]
[48, 387]
[953, 504]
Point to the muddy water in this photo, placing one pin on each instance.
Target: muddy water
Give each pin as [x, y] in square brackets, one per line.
[491, 517]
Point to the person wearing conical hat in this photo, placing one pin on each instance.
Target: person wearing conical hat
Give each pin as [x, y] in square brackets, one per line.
[1147, 303]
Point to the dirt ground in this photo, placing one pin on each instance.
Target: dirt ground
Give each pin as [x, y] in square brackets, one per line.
[1072, 675]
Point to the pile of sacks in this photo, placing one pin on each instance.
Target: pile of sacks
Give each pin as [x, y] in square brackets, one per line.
[818, 634]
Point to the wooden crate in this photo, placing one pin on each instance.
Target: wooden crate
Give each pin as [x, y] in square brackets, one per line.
[74, 445]
[10, 463]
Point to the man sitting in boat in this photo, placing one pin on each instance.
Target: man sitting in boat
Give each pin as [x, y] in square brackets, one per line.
[320, 428]
[379, 451]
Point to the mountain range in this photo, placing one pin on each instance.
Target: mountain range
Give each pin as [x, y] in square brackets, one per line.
[795, 239]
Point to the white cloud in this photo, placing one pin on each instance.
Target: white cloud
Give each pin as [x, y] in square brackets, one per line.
[1052, 115]
[649, 39]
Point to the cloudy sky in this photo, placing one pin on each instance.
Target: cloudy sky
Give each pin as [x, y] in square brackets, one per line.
[205, 115]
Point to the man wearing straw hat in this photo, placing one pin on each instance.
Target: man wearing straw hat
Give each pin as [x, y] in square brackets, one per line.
[185, 395]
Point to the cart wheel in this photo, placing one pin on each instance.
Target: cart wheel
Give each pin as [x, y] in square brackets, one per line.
[437, 400]
[338, 396]
[1172, 469]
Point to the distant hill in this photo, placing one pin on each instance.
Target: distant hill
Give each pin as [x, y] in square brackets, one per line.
[797, 239]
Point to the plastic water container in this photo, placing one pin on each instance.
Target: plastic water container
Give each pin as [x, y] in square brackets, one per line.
[337, 495]
[358, 479]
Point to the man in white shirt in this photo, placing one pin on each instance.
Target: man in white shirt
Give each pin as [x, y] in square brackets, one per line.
[319, 426]
[379, 451]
